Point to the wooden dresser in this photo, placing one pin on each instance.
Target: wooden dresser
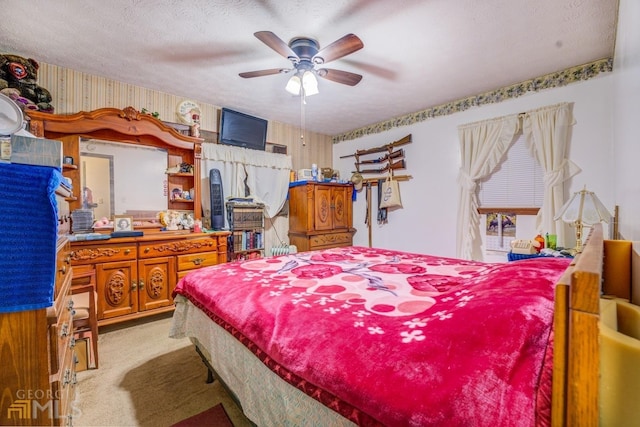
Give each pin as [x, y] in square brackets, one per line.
[135, 276]
[37, 376]
[320, 215]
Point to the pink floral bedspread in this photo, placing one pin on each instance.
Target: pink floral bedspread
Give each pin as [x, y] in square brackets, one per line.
[392, 338]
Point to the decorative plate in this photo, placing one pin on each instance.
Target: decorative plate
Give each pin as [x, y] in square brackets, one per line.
[11, 117]
[186, 110]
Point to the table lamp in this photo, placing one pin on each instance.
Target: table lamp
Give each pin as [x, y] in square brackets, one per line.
[584, 207]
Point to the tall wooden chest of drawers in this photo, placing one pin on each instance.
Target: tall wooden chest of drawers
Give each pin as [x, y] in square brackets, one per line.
[320, 215]
[37, 376]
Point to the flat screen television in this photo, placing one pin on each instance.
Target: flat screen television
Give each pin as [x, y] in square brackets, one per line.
[242, 130]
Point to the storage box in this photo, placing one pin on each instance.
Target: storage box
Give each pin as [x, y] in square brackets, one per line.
[36, 151]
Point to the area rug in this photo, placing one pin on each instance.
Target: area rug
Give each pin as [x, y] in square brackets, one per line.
[212, 417]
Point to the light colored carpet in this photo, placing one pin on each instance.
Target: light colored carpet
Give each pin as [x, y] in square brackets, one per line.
[146, 378]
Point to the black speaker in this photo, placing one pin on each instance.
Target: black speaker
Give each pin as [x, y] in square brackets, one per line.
[217, 200]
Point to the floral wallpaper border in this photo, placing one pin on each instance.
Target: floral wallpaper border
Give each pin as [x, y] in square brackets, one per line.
[548, 81]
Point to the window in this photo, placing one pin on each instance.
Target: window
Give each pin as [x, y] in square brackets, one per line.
[515, 187]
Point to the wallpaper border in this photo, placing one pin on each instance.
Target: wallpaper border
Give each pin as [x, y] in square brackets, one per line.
[548, 81]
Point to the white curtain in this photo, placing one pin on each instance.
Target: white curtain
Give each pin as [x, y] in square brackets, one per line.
[266, 175]
[548, 132]
[482, 146]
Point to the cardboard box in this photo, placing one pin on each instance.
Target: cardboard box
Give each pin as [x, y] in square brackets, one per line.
[36, 151]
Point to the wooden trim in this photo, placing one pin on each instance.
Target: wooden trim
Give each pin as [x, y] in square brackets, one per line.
[517, 211]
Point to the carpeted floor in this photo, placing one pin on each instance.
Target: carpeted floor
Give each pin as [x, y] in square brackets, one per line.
[146, 378]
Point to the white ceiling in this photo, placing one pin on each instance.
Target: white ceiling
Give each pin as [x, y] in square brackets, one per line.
[417, 53]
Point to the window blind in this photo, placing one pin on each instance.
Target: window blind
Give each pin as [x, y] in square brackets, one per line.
[517, 182]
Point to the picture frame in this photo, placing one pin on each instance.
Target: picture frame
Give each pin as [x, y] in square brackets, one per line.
[122, 223]
[176, 191]
[68, 160]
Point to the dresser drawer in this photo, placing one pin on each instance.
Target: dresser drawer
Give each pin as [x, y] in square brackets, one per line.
[64, 217]
[98, 254]
[192, 261]
[63, 267]
[330, 240]
[176, 247]
[63, 387]
[60, 335]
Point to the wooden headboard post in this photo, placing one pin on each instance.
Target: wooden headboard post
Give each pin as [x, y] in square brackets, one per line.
[576, 368]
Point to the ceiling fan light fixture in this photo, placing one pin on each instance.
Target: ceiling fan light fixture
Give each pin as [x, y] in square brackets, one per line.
[293, 85]
[309, 83]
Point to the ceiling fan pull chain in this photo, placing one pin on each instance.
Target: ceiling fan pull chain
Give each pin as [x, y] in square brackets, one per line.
[302, 121]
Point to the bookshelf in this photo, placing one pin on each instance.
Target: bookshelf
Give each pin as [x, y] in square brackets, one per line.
[246, 223]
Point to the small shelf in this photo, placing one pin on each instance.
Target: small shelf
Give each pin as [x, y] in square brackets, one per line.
[246, 222]
[182, 201]
[68, 166]
[181, 174]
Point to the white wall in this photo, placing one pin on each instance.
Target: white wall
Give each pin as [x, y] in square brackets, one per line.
[626, 117]
[427, 222]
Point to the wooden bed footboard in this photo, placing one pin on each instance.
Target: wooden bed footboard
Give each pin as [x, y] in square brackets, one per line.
[576, 366]
[604, 268]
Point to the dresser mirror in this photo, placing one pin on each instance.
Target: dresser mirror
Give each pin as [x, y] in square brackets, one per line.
[121, 179]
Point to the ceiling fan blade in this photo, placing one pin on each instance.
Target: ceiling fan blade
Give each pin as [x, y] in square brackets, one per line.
[339, 48]
[261, 73]
[276, 43]
[339, 76]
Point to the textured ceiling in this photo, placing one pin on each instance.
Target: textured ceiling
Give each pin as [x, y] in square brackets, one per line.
[417, 53]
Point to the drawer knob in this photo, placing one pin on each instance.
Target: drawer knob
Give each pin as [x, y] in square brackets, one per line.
[197, 261]
[127, 251]
[134, 286]
[147, 250]
[141, 285]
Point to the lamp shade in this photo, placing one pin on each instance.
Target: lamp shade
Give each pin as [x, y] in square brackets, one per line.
[309, 83]
[585, 207]
[293, 85]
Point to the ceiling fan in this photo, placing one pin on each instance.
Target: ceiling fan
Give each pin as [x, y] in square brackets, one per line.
[305, 54]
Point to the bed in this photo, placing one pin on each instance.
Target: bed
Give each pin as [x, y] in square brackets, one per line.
[368, 336]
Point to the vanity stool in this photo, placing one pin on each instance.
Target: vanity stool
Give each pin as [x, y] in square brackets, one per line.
[85, 319]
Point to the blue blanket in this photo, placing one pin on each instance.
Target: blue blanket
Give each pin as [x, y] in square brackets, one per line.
[28, 236]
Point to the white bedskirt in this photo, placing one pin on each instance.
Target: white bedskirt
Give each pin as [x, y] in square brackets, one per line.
[266, 399]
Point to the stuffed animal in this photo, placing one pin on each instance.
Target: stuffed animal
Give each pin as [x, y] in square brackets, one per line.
[18, 77]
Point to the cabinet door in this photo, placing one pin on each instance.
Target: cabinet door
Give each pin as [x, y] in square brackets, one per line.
[341, 207]
[157, 281]
[117, 289]
[323, 215]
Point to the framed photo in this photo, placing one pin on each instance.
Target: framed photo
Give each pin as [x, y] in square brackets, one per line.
[68, 160]
[122, 223]
[176, 191]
